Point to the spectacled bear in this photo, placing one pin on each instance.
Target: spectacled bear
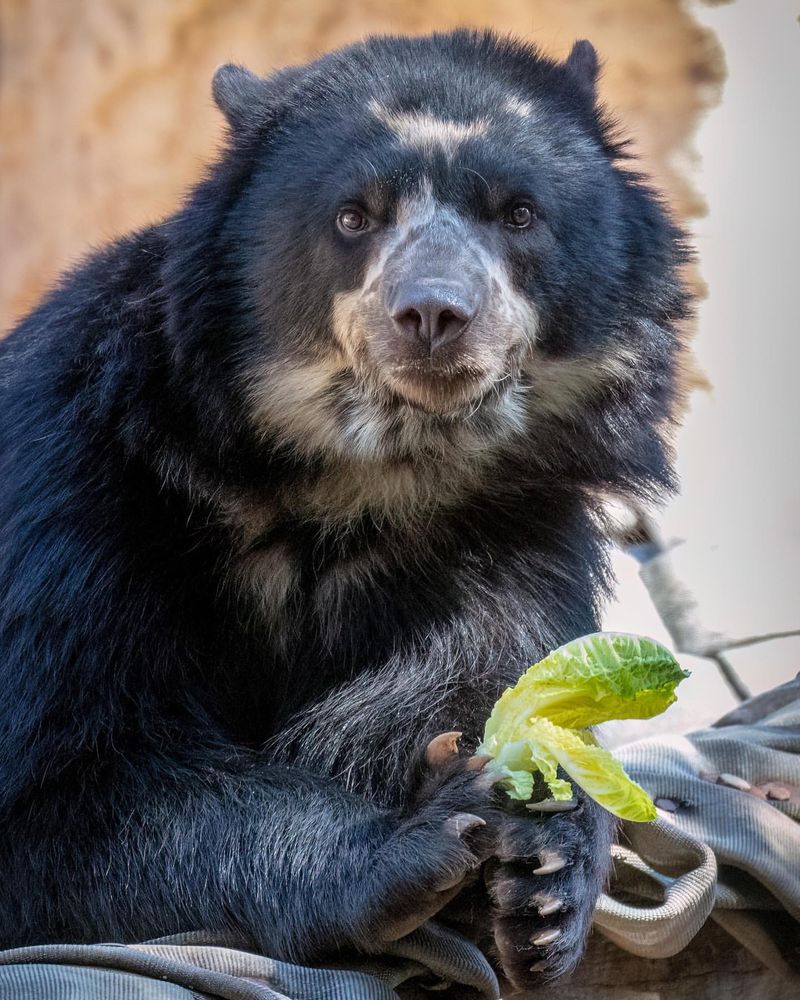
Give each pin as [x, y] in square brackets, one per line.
[307, 474]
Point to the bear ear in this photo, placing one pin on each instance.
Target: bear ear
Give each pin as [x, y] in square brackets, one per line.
[239, 94]
[584, 66]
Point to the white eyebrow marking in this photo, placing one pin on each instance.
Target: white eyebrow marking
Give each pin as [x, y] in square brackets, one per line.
[427, 132]
[517, 106]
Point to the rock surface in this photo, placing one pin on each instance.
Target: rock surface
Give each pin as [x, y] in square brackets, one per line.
[106, 111]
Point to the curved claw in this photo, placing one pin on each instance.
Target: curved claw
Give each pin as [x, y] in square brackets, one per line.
[552, 805]
[462, 823]
[545, 937]
[551, 861]
[441, 749]
[489, 779]
[548, 904]
[478, 762]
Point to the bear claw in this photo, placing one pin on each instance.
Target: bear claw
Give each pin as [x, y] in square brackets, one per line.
[442, 748]
[552, 805]
[462, 823]
[545, 937]
[549, 905]
[551, 861]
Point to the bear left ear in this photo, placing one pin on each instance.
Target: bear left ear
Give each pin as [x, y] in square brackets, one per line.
[583, 64]
[238, 93]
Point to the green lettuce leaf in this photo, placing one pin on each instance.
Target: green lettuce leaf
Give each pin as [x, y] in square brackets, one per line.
[603, 676]
[592, 767]
[539, 725]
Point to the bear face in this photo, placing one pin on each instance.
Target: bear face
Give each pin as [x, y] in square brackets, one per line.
[449, 260]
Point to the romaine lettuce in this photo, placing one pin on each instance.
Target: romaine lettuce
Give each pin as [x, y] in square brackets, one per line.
[539, 724]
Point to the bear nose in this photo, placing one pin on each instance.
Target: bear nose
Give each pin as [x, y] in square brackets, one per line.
[435, 312]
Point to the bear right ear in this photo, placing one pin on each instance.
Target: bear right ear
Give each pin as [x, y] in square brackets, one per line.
[584, 65]
[239, 94]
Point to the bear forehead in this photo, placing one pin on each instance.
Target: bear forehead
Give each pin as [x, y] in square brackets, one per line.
[384, 143]
[433, 119]
[429, 129]
[438, 91]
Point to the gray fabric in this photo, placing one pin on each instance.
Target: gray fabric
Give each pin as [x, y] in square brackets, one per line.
[200, 965]
[724, 847]
[53, 981]
[723, 851]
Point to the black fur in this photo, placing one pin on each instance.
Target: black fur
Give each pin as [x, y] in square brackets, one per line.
[174, 755]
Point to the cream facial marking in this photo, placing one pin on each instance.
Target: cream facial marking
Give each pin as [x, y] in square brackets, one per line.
[559, 385]
[367, 410]
[506, 323]
[320, 407]
[521, 108]
[426, 132]
[292, 395]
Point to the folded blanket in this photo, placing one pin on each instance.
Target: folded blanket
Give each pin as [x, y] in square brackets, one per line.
[727, 840]
[727, 845]
[190, 966]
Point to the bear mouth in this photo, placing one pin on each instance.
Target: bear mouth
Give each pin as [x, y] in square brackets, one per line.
[452, 391]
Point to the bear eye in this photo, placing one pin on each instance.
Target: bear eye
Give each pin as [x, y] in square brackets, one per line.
[351, 220]
[520, 215]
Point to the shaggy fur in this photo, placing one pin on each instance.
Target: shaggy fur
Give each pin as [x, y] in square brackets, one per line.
[256, 549]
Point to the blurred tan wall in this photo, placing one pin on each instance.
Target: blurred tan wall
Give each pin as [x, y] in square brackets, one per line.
[106, 116]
